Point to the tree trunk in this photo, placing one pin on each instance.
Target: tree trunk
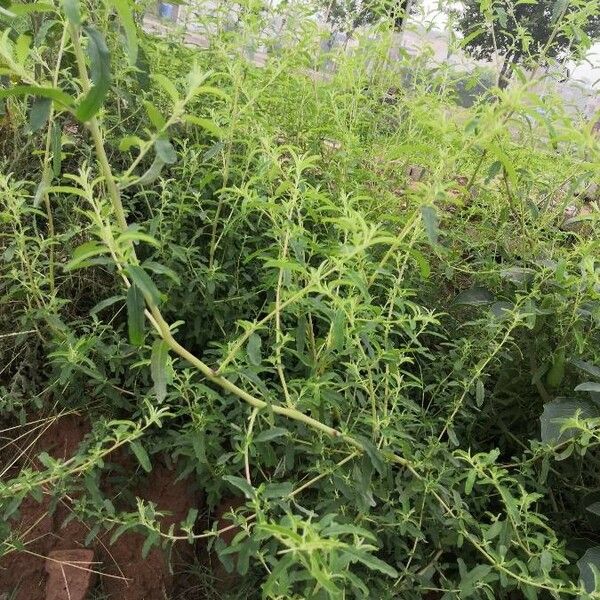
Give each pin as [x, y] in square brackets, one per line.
[505, 73]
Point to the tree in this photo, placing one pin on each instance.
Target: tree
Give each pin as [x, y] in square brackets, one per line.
[528, 31]
[349, 15]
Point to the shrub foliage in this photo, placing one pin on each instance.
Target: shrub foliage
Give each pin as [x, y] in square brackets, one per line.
[371, 313]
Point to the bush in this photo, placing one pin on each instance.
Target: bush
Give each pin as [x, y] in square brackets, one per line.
[353, 304]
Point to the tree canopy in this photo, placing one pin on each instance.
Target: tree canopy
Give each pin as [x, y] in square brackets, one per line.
[348, 15]
[528, 29]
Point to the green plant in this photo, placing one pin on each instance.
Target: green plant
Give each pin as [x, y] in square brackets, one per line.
[234, 270]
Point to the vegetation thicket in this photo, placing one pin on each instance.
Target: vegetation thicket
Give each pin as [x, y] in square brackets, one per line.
[370, 314]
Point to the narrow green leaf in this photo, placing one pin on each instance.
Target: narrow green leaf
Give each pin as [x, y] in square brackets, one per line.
[278, 490]
[151, 175]
[211, 90]
[143, 282]
[154, 115]
[507, 165]
[20, 9]
[207, 124]
[45, 92]
[494, 169]
[470, 482]
[594, 508]
[100, 75]
[546, 561]
[240, 484]
[479, 392]
[66, 189]
[373, 453]
[158, 368]
[91, 535]
[430, 220]
[56, 147]
[123, 8]
[167, 85]
[422, 263]
[493, 530]
[41, 189]
[501, 310]
[22, 46]
[141, 455]
[556, 374]
[134, 233]
[558, 10]
[106, 303]
[119, 531]
[7, 13]
[213, 150]
[159, 269]
[190, 518]
[518, 275]
[129, 141]
[338, 330]
[142, 70]
[371, 562]
[148, 543]
[301, 334]
[270, 434]
[135, 315]
[471, 36]
[84, 252]
[339, 529]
